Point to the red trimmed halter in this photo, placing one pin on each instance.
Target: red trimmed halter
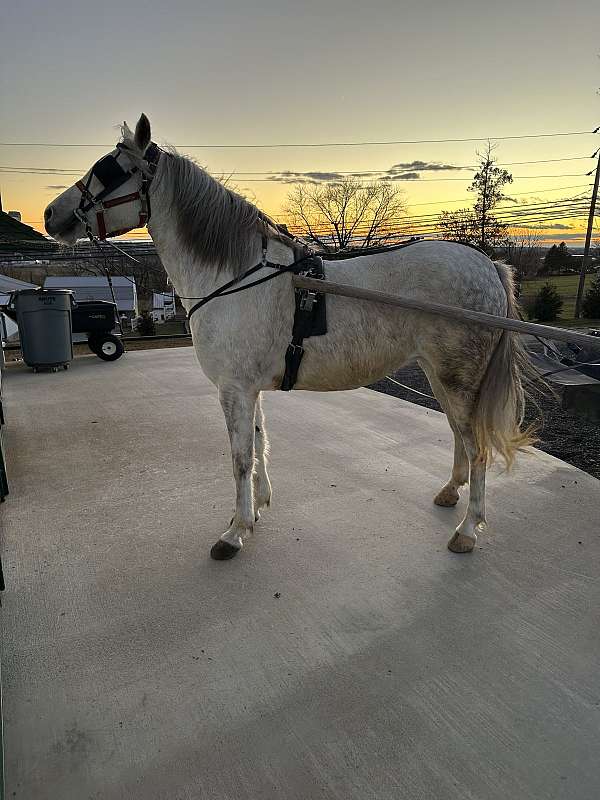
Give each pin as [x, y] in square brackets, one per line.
[111, 175]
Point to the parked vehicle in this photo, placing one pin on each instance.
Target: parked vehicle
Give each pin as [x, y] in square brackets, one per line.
[97, 319]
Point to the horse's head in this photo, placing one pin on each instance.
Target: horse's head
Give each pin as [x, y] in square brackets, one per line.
[112, 197]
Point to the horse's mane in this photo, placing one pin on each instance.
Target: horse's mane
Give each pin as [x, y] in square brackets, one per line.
[215, 224]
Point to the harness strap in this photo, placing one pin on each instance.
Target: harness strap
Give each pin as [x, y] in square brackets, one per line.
[222, 291]
[310, 319]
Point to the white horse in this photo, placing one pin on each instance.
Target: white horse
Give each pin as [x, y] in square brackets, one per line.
[206, 235]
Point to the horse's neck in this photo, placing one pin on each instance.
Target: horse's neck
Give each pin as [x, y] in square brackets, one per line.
[189, 276]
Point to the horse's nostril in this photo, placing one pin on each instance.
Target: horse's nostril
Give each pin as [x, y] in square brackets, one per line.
[47, 214]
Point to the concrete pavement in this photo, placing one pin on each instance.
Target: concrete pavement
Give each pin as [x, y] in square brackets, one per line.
[344, 654]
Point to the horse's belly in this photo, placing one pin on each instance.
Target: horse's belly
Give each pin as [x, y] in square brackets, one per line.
[333, 368]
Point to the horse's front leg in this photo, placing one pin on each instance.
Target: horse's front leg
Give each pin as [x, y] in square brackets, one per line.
[239, 408]
[262, 484]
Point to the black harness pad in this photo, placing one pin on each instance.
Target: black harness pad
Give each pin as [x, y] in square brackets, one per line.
[310, 319]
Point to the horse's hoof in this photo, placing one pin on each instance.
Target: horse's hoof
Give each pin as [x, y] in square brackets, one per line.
[447, 498]
[460, 543]
[223, 551]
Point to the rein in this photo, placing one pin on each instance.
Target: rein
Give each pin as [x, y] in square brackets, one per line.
[225, 289]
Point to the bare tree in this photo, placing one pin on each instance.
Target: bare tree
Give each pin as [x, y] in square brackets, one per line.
[346, 213]
[459, 226]
[524, 252]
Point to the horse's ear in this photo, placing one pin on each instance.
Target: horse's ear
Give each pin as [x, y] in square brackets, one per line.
[142, 133]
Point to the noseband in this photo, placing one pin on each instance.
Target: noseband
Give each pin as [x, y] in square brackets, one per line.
[111, 175]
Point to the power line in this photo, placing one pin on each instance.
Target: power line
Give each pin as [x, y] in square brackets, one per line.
[286, 182]
[408, 227]
[278, 174]
[291, 180]
[375, 172]
[515, 194]
[448, 202]
[325, 144]
[529, 214]
[511, 211]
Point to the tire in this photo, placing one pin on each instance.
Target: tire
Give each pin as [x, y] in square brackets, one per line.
[94, 343]
[108, 347]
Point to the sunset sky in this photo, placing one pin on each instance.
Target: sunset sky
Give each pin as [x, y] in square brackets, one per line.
[238, 73]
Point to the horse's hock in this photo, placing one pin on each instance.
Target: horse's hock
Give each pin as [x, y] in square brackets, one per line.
[346, 654]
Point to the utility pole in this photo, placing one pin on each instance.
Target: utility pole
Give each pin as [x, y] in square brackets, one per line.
[588, 240]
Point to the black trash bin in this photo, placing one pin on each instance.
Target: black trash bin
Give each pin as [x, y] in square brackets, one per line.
[44, 320]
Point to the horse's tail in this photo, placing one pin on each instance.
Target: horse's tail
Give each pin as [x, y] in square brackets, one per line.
[500, 405]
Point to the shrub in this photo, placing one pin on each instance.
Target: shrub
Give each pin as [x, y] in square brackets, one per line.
[591, 302]
[146, 326]
[546, 305]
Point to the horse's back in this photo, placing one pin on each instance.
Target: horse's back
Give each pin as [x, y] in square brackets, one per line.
[365, 340]
[439, 271]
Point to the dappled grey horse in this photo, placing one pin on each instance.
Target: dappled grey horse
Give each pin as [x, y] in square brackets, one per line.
[207, 235]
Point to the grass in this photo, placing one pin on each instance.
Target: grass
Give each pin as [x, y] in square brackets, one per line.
[566, 286]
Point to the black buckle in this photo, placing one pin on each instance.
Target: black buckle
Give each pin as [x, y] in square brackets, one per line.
[152, 156]
[307, 300]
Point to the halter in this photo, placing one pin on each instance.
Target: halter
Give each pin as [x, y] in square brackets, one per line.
[111, 175]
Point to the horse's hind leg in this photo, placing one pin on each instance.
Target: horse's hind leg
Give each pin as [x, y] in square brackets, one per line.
[465, 536]
[448, 495]
[459, 404]
[239, 409]
[262, 484]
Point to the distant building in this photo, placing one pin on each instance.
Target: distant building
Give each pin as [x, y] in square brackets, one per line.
[7, 287]
[163, 306]
[91, 287]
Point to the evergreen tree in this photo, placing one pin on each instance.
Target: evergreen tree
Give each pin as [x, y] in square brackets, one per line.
[564, 257]
[488, 183]
[551, 261]
[590, 308]
[557, 259]
[478, 225]
[546, 305]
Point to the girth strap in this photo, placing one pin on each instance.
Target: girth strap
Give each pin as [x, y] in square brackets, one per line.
[310, 319]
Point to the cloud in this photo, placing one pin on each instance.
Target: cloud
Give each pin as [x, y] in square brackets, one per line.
[407, 171]
[56, 186]
[423, 166]
[567, 237]
[306, 177]
[557, 226]
[404, 176]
